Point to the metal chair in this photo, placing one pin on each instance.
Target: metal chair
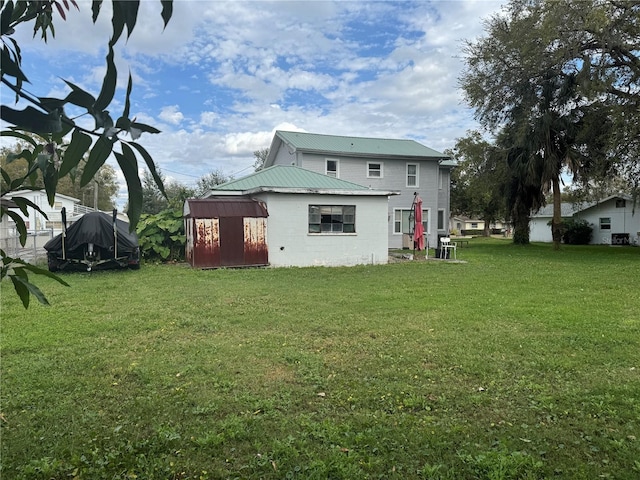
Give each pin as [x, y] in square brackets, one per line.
[446, 245]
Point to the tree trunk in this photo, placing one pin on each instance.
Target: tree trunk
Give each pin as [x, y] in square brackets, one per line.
[520, 223]
[556, 222]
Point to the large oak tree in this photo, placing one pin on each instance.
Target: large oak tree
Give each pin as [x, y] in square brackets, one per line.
[562, 80]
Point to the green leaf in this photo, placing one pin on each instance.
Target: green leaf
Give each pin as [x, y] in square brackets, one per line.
[95, 9]
[21, 290]
[5, 21]
[21, 136]
[144, 128]
[23, 203]
[50, 182]
[79, 97]
[32, 120]
[20, 226]
[117, 22]
[109, 82]
[33, 290]
[129, 165]
[150, 165]
[130, 14]
[167, 11]
[99, 154]
[80, 143]
[9, 67]
[39, 271]
[127, 100]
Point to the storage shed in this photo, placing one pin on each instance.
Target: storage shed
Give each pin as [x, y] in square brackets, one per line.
[225, 232]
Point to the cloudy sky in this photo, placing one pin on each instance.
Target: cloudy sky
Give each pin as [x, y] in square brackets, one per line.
[223, 75]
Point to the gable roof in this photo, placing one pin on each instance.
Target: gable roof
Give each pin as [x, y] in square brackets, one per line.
[292, 179]
[353, 146]
[568, 209]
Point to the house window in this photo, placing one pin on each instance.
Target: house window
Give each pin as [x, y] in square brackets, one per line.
[331, 168]
[412, 174]
[621, 203]
[57, 205]
[440, 219]
[374, 170]
[474, 225]
[403, 221]
[440, 180]
[332, 218]
[605, 223]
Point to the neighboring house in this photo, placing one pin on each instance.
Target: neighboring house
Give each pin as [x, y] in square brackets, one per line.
[36, 221]
[461, 224]
[313, 219]
[402, 166]
[613, 220]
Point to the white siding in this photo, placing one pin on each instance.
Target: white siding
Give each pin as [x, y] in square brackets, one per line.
[290, 244]
[623, 220]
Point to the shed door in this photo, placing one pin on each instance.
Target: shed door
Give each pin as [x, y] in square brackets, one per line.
[231, 241]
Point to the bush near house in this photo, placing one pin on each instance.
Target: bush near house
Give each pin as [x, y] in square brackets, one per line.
[161, 235]
[576, 232]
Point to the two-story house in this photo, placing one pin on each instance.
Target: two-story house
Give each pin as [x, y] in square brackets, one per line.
[405, 166]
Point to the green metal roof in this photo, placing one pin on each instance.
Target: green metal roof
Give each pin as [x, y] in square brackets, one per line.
[357, 145]
[285, 176]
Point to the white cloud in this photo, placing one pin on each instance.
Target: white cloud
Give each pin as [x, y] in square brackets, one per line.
[171, 114]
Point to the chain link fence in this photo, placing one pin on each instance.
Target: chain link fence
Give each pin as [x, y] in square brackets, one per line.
[33, 250]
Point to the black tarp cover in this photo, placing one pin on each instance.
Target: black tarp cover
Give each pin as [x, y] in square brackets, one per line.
[96, 228]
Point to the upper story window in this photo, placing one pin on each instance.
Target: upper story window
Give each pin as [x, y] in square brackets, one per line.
[374, 170]
[412, 174]
[332, 168]
[440, 179]
[621, 203]
[332, 218]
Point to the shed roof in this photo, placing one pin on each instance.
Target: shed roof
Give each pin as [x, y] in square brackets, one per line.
[360, 146]
[289, 178]
[223, 207]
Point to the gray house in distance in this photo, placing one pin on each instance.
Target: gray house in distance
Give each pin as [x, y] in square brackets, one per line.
[405, 166]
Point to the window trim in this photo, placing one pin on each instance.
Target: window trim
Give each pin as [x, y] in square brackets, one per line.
[319, 223]
[604, 225]
[426, 218]
[369, 169]
[326, 167]
[417, 175]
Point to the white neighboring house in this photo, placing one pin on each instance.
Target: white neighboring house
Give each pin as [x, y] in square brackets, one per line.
[36, 222]
[613, 219]
[314, 219]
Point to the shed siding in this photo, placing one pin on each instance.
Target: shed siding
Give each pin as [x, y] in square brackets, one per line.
[255, 241]
[205, 237]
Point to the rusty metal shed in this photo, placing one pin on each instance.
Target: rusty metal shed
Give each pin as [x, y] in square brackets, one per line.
[225, 232]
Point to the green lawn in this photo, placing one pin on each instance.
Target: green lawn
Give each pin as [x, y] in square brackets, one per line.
[521, 363]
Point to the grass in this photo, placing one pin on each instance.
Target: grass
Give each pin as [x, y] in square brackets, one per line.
[522, 363]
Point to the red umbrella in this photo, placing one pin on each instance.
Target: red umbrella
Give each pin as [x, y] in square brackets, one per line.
[418, 232]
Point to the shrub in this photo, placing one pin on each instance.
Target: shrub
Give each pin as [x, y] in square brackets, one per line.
[576, 232]
[161, 235]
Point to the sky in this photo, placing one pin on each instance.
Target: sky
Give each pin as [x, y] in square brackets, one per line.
[225, 75]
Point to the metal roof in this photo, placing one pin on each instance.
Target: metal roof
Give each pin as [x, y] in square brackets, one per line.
[224, 207]
[314, 142]
[288, 176]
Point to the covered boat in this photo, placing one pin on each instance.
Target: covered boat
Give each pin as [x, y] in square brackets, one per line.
[96, 241]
